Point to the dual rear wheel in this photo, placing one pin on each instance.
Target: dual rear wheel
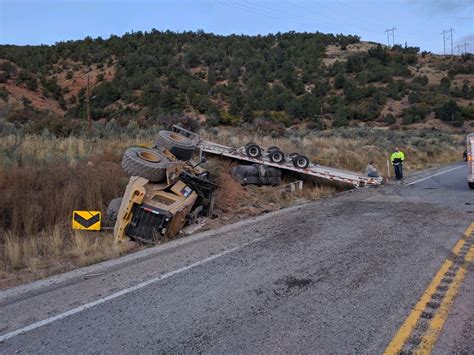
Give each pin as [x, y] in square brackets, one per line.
[276, 155]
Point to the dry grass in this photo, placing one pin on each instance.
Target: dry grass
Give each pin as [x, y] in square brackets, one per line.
[52, 251]
[42, 180]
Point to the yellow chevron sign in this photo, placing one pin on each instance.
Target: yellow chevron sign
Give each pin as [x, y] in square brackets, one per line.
[86, 220]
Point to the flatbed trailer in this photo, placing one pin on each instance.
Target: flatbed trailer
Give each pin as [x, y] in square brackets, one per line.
[315, 170]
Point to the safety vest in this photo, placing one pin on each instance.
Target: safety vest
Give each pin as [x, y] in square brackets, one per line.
[398, 155]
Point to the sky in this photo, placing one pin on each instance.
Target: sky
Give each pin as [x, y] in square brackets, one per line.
[417, 22]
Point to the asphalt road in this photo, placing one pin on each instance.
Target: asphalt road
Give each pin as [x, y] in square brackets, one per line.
[336, 276]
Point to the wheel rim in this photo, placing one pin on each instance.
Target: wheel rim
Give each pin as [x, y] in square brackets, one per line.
[277, 157]
[253, 151]
[177, 137]
[301, 162]
[149, 156]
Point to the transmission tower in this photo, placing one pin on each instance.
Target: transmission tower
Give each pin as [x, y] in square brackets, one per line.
[459, 46]
[392, 32]
[448, 36]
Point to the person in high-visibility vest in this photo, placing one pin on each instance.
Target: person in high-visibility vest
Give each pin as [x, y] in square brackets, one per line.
[397, 159]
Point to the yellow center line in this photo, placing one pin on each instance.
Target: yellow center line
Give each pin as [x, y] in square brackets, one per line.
[409, 325]
[436, 324]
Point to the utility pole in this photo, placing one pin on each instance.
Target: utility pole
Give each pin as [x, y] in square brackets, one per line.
[444, 42]
[465, 47]
[89, 121]
[451, 36]
[388, 32]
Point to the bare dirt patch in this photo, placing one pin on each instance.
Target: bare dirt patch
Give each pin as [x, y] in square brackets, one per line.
[334, 53]
[79, 78]
[18, 92]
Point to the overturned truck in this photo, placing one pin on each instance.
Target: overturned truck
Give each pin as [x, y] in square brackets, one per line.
[167, 190]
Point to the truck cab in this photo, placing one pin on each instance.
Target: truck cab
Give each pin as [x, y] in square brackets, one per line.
[470, 162]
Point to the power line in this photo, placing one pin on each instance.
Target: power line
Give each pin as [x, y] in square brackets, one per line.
[298, 17]
[263, 13]
[350, 22]
[259, 9]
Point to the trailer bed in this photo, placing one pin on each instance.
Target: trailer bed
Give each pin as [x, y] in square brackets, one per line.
[315, 170]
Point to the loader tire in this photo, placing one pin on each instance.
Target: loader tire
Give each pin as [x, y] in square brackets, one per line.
[182, 147]
[113, 209]
[146, 163]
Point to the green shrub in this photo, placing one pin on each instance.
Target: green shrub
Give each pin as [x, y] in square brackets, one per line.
[417, 112]
[227, 118]
[450, 112]
[341, 118]
[468, 112]
[422, 80]
[390, 119]
[339, 81]
[414, 97]
[4, 94]
[316, 123]
[445, 85]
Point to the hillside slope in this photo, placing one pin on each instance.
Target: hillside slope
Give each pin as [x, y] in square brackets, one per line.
[322, 80]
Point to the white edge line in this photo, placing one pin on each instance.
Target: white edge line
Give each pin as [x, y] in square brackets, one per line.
[429, 177]
[112, 296]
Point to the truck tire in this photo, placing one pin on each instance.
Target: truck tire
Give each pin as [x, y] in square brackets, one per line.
[471, 185]
[146, 163]
[277, 156]
[300, 161]
[113, 209]
[182, 147]
[253, 150]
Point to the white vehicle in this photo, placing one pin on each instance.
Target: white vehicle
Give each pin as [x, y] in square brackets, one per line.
[470, 162]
